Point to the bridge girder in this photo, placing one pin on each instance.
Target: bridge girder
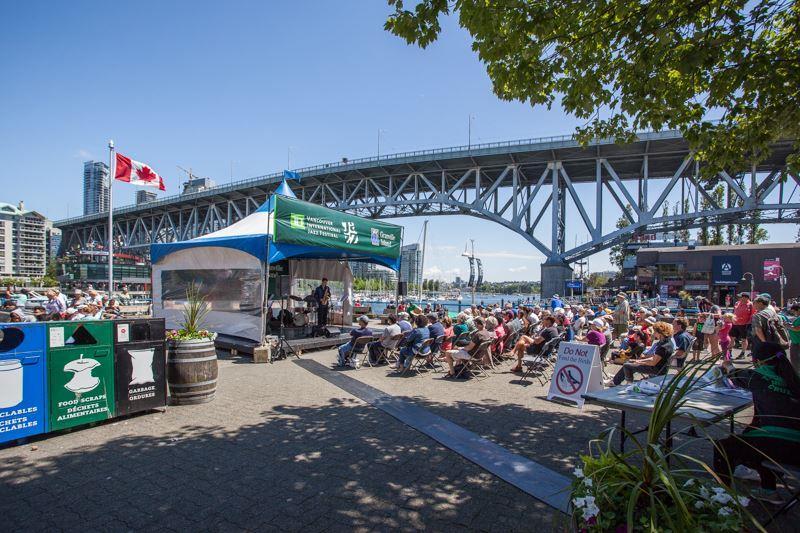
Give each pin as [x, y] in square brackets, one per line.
[513, 185]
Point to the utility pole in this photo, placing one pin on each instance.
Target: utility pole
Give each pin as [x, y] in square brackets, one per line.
[422, 263]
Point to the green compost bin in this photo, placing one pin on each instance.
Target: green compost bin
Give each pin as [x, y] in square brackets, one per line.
[80, 372]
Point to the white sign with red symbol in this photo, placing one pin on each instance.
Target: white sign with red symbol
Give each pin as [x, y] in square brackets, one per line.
[123, 332]
[578, 371]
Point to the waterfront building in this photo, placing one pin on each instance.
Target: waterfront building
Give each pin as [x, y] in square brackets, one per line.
[364, 270]
[718, 272]
[23, 242]
[143, 196]
[95, 187]
[90, 266]
[52, 240]
[197, 185]
[410, 263]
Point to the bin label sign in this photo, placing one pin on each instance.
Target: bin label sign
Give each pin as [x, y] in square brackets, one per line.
[123, 332]
[56, 337]
[23, 381]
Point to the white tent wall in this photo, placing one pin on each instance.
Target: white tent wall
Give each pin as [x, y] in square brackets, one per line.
[226, 316]
[334, 270]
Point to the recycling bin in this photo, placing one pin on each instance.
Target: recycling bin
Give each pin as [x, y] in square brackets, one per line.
[80, 364]
[23, 381]
[139, 365]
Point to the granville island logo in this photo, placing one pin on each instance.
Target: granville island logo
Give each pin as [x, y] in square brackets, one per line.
[375, 237]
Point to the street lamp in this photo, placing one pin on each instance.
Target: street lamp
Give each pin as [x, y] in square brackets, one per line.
[752, 282]
[782, 281]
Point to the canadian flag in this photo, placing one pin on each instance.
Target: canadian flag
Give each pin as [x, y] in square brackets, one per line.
[137, 173]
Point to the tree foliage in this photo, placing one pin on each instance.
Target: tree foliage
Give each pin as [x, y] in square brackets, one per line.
[670, 64]
[619, 252]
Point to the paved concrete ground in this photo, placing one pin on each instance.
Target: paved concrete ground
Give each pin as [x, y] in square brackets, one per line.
[282, 449]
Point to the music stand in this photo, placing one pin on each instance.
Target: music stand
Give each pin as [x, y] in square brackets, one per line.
[283, 344]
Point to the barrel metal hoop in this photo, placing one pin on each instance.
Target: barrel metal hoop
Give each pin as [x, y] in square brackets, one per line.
[192, 360]
[190, 385]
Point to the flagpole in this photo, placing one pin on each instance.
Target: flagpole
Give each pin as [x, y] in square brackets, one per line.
[110, 219]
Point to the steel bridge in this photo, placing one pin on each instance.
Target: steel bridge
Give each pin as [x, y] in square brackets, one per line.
[550, 191]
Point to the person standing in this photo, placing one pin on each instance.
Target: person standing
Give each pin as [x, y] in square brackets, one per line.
[743, 313]
[621, 316]
[763, 339]
[794, 337]
[322, 296]
[556, 302]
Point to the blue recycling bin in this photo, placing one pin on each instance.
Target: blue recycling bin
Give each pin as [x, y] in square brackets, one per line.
[23, 380]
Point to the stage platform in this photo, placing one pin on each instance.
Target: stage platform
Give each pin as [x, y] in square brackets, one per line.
[238, 345]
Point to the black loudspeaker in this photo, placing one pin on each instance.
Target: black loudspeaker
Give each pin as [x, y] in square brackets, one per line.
[331, 331]
[402, 288]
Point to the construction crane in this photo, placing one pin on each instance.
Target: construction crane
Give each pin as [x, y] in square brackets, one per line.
[195, 183]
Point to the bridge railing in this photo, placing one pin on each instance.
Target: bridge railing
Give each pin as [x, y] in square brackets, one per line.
[349, 163]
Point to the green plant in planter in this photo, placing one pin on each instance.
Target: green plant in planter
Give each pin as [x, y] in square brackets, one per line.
[195, 311]
[639, 491]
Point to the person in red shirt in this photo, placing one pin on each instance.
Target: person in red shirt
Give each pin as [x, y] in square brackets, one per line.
[743, 313]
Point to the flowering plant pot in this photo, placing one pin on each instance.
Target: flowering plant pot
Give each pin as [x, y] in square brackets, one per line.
[653, 488]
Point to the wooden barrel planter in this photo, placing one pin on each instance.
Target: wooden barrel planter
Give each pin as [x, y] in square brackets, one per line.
[192, 371]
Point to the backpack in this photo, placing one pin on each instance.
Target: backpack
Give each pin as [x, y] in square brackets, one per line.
[777, 332]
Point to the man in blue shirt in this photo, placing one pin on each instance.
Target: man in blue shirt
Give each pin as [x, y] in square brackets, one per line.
[555, 302]
[362, 331]
[683, 342]
[436, 329]
[404, 324]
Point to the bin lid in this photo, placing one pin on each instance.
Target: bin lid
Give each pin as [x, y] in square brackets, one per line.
[6, 365]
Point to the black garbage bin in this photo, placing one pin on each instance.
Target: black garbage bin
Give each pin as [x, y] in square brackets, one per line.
[140, 364]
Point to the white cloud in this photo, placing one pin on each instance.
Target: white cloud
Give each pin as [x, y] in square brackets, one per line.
[517, 269]
[83, 154]
[505, 254]
[432, 271]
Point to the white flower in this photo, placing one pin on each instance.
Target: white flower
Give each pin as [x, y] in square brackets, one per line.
[588, 481]
[590, 511]
[725, 511]
[722, 498]
[704, 492]
[689, 482]
[699, 504]
[578, 472]
[744, 501]
[589, 501]
[579, 502]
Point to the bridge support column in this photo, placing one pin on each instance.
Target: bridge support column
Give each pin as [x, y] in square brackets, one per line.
[554, 273]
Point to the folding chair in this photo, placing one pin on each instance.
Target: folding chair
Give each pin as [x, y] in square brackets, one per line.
[475, 362]
[418, 357]
[540, 362]
[389, 355]
[436, 352]
[462, 339]
[780, 471]
[357, 347]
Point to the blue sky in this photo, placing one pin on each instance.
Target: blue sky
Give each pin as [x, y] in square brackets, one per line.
[228, 88]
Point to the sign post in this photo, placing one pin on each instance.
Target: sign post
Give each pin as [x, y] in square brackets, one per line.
[578, 371]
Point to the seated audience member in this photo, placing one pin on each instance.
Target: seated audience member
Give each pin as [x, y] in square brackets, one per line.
[479, 336]
[405, 325]
[39, 313]
[682, 340]
[774, 434]
[461, 325]
[381, 346]
[512, 323]
[361, 331]
[634, 350]
[55, 306]
[449, 334]
[595, 335]
[496, 326]
[17, 315]
[414, 343]
[653, 365]
[436, 330]
[533, 345]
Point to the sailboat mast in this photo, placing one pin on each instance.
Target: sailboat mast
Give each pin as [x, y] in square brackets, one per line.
[422, 263]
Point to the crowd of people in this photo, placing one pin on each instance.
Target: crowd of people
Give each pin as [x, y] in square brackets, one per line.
[80, 305]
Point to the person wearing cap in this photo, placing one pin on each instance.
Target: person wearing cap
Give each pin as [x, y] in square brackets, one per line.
[622, 315]
[774, 434]
[653, 365]
[556, 302]
[361, 331]
[405, 325]
[743, 312]
[595, 335]
[763, 335]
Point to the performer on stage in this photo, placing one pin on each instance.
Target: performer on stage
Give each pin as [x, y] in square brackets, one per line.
[322, 295]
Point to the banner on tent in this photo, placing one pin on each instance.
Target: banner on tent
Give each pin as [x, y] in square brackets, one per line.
[298, 222]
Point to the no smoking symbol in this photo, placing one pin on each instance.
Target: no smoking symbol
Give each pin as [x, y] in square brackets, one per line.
[569, 380]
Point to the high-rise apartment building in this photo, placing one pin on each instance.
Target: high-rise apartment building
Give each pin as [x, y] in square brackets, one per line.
[23, 242]
[95, 187]
[410, 263]
[142, 196]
